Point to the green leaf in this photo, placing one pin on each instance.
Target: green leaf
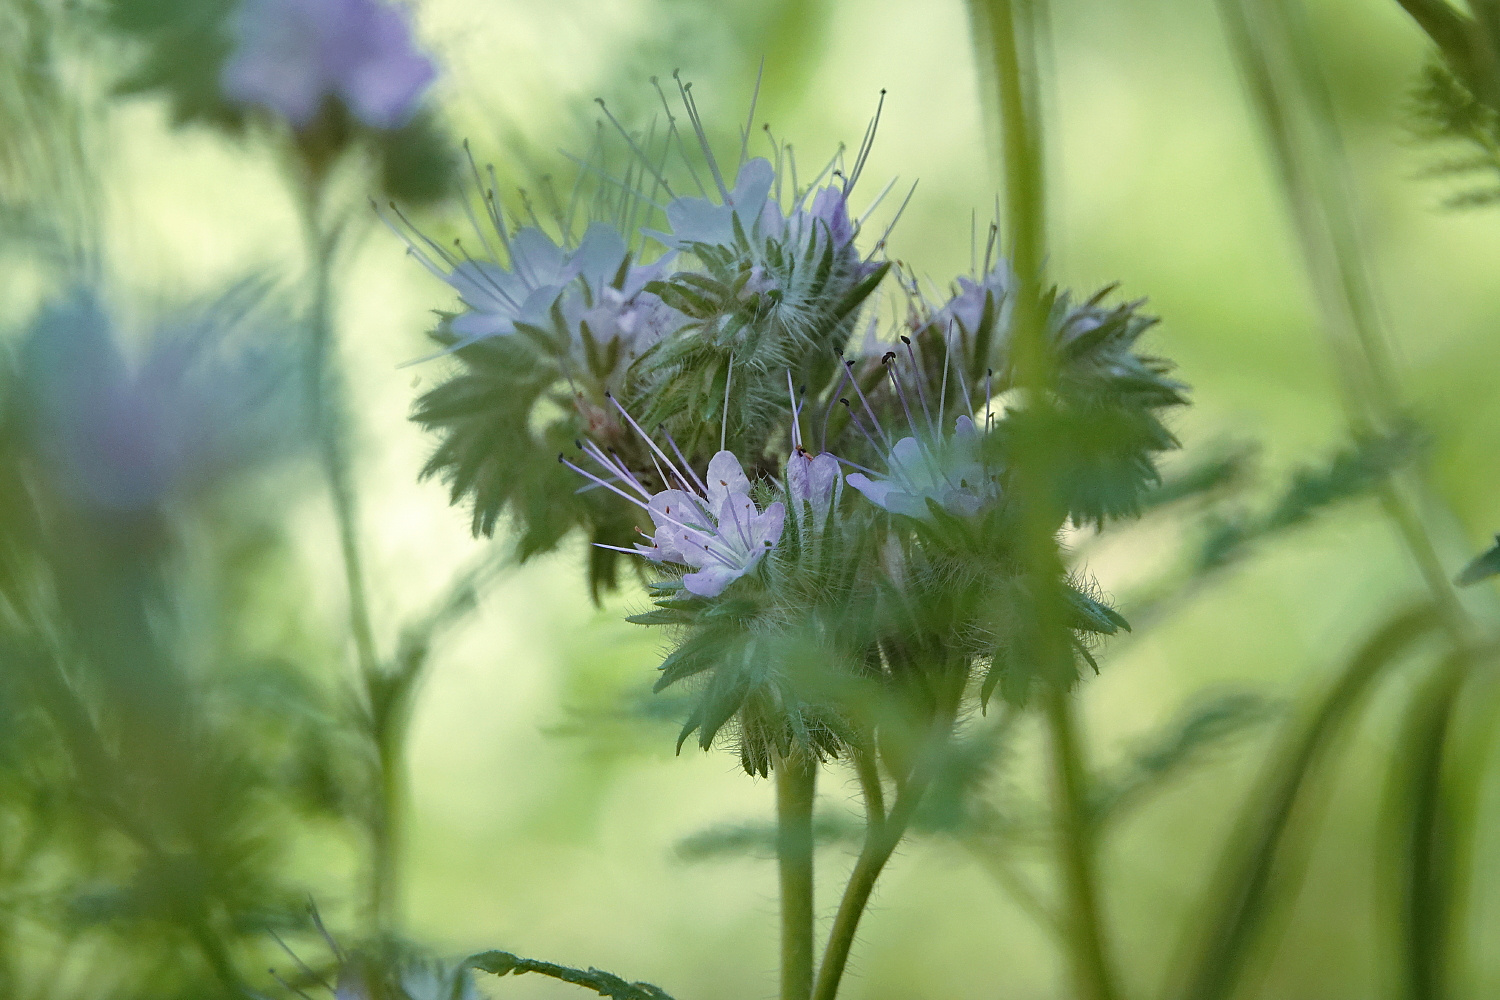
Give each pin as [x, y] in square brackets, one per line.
[606, 984]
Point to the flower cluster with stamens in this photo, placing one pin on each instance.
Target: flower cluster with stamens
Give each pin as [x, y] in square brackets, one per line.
[717, 419]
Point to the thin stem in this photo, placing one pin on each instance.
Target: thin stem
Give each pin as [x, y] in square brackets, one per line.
[1291, 99]
[796, 788]
[328, 409]
[879, 844]
[1092, 971]
[882, 835]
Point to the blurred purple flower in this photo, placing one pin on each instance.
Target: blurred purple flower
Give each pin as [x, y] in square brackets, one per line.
[291, 55]
[124, 437]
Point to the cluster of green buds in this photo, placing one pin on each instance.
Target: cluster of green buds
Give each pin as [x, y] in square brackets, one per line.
[829, 516]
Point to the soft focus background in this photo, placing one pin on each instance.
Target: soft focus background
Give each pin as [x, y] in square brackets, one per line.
[545, 819]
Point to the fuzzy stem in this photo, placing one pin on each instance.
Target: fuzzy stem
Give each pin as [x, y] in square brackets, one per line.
[1075, 839]
[882, 835]
[1005, 39]
[796, 788]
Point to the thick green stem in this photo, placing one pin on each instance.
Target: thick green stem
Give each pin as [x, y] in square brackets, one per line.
[1092, 971]
[796, 788]
[1004, 33]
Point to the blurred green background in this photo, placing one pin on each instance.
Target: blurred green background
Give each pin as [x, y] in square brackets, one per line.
[542, 818]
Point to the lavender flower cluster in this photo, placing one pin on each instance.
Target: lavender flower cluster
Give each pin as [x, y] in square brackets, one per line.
[697, 325]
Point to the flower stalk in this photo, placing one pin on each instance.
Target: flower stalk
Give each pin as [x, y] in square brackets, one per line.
[326, 386]
[796, 789]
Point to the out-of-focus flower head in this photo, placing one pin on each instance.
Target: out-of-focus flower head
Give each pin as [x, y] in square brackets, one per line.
[291, 56]
[125, 436]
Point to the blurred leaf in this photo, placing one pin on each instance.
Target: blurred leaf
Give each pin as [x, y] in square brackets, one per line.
[1482, 567]
[181, 46]
[1352, 471]
[1181, 745]
[758, 839]
[502, 963]
[418, 163]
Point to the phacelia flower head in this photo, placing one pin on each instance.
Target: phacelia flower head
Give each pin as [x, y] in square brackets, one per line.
[293, 55]
[711, 526]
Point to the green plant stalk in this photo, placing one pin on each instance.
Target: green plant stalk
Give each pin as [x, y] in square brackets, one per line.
[1420, 812]
[796, 790]
[1474, 743]
[1240, 898]
[328, 408]
[882, 835]
[1314, 180]
[1004, 35]
[1084, 922]
[1008, 30]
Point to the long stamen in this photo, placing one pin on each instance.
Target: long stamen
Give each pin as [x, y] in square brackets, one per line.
[687, 161]
[796, 413]
[828, 414]
[943, 392]
[685, 463]
[618, 548]
[645, 160]
[644, 436]
[889, 361]
[919, 375]
[860, 392]
[989, 394]
[860, 426]
[880, 244]
[595, 479]
[619, 469]
[875, 202]
[492, 200]
[866, 145]
[750, 119]
[724, 416]
[963, 386]
[617, 182]
[855, 465]
[708, 154]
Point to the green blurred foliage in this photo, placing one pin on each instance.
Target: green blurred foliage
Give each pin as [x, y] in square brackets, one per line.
[545, 801]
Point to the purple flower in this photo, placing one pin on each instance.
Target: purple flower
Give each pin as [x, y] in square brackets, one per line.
[292, 55]
[966, 308]
[946, 470]
[813, 481]
[712, 527]
[824, 214]
[591, 283]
